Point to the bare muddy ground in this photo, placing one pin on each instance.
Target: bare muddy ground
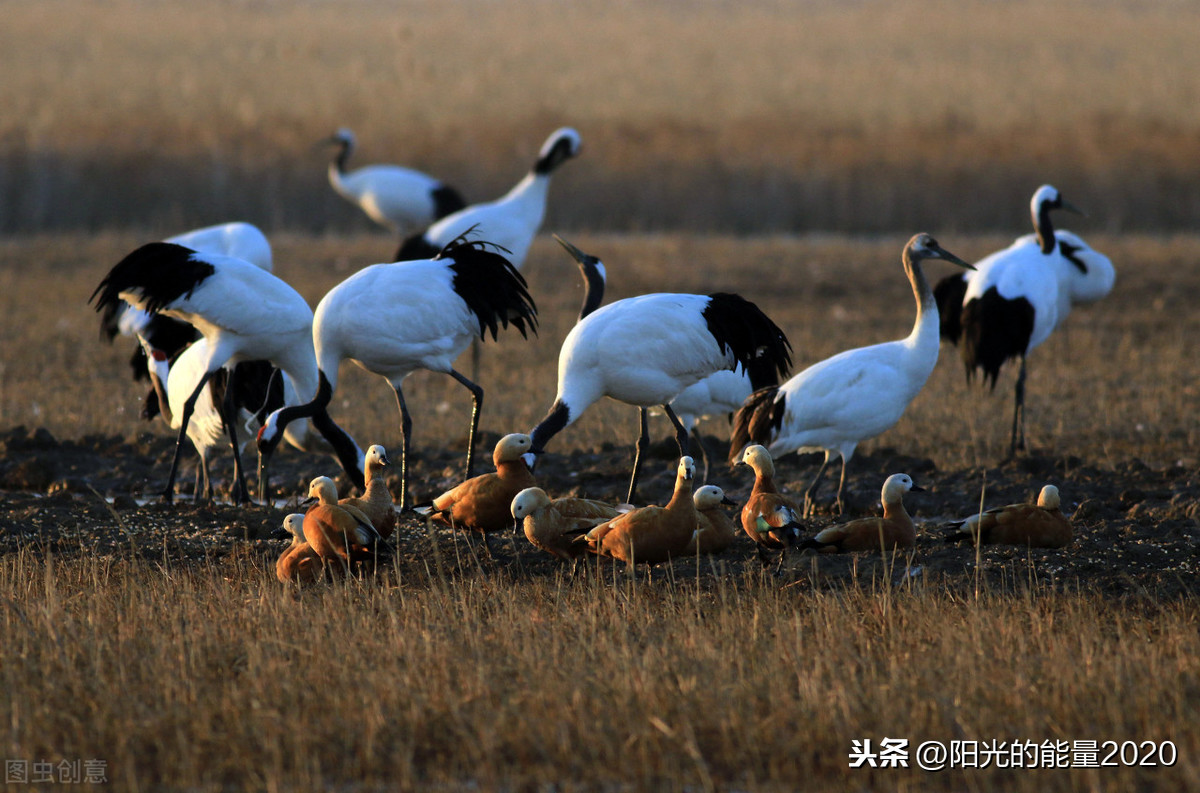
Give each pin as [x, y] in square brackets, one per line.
[1137, 529]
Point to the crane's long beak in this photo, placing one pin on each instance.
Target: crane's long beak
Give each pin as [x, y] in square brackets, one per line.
[1067, 205]
[942, 253]
[579, 255]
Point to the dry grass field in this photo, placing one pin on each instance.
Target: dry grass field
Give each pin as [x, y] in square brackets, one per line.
[783, 150]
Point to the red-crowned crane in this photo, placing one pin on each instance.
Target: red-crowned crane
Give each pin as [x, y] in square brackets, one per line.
[509, 222]
[245, 314]
[720, 393]
[398, 198]
[1019, 295]
[170, 336]
[837, 403]
[644, 350]
[393, 319]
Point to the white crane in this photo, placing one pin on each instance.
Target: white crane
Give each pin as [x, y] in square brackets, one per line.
[393, 319]
[1019, 295]
[511, 221]
[1084, 274]
[238, 239]
[644, 350]
[837, 403]
[395, 197]
[720, 393]
[245, 314]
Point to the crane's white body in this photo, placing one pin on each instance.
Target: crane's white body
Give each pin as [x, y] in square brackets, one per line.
[398, 198]
[1075, 285]
[835, 404]
[512, 220]
[246, 314]
[641, 350]
[237, 239]
[243, 312]
[395, 197]
[718, 394]
[1022, 271]
[393, 319]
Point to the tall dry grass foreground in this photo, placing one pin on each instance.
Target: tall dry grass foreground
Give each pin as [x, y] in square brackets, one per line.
[746, 117]
[214, 677]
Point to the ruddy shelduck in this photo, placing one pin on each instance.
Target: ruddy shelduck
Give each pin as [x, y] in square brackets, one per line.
[1040, 525]
[552, 525]
[715, 529]
[376, 503]
[342, 535]
[299, 563]
[652, 534]
[894, 530]
[770, 518]
[484, 502]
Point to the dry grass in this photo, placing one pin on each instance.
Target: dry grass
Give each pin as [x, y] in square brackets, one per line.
[213, 678]
[718, 117]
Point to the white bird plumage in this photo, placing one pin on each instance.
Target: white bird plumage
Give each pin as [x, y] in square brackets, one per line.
[244, 312]
[1019, 295]
[837, 403]
[238, 239]
[401, 199]
[393, 319]
[510, 221]
[645, 350]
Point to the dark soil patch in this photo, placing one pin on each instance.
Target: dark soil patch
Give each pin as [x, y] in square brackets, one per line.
[1137, 529]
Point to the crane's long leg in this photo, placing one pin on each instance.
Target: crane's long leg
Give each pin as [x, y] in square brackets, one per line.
[476, 406]
[241, 494]
[810, 505]
[841, 485]
[475, 345]
[642, 442]
[405, 433]
[1018, 427]
[168, 494]
[681, 433]
[703, 452]
[202, 492]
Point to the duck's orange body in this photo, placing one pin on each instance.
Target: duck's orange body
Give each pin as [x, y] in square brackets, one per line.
[650, 534]
[483, 502]
[376, 503]
[894, 530]
[1040, 525]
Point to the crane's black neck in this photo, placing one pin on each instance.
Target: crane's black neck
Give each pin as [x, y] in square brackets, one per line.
[1044, 228]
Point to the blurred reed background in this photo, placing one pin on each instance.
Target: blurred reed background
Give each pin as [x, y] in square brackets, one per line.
[747, 117]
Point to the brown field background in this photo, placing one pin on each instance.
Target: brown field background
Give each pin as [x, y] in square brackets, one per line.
[731, 117]
[782, 150]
